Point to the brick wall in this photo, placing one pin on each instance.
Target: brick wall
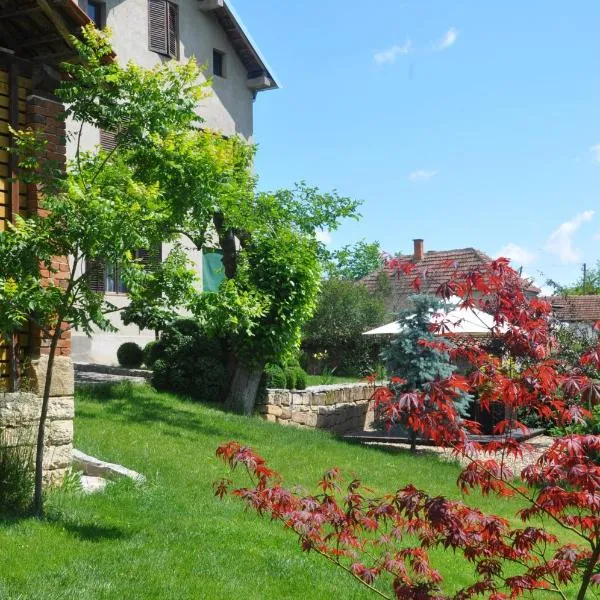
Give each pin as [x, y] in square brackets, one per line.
[46, 115]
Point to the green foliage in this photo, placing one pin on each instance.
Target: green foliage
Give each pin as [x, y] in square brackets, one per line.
[275, 377]
[290, 378]
[152, 352]
[300, 377]
[581, 287]
[190, 363]
[16, 476]
[354, 261]
[130, 355]
[415, 363]
[345, 310]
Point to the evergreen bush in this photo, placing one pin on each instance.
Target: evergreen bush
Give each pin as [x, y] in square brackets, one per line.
[274, 377]
[290, 378]
[130, 355]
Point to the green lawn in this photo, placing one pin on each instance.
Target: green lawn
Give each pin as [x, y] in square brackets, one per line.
[171, 539]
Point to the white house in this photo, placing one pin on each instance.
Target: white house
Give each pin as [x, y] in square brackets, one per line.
[151, 31]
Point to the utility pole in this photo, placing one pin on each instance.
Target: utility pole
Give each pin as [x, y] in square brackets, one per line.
[584, 277]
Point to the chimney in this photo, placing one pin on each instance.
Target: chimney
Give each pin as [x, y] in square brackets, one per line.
[419, 252]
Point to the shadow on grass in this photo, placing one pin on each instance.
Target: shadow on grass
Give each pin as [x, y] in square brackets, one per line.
[139, 404]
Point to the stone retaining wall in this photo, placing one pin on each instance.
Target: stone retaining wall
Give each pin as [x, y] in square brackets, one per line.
[20, 413]
[337, 408]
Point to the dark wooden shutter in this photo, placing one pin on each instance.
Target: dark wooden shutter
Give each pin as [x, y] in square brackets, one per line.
[108, 140]
[96, 273]
[173, 29]
[152, 258]
[157, 26]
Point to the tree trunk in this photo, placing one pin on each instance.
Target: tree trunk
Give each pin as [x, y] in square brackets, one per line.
[589, 571]
[413, 440]
[13, 376]
[244, 388]
[38, 497]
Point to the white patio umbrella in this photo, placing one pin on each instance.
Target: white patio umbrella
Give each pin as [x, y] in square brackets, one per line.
[465, 321]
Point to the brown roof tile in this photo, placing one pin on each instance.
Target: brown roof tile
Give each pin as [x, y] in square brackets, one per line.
[435, 268]
[575, 308]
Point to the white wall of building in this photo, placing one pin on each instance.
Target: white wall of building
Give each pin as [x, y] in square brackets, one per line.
[228, 109]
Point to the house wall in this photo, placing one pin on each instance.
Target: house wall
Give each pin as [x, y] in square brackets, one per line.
[228, 109]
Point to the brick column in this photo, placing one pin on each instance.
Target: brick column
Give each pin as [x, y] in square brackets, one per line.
[47, 115]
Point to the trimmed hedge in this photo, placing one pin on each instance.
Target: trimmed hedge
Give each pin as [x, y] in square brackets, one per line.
[130, 355]
[274, 377]
[189, 363]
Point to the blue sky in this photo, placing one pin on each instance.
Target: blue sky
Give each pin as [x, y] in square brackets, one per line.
[464, 123]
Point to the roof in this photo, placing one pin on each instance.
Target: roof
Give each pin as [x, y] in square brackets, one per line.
[40, 30]
[260, 75]
[575, 308]
[435, 268]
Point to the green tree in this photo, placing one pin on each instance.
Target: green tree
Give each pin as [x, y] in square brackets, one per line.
[415, 363]
[101, 210]
[354, 261]
[587, 283]
[345, 310]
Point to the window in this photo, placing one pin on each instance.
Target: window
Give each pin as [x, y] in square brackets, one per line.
[163, 27]
[105, 276]
[219, 63]
[95, 11]
[108, 140]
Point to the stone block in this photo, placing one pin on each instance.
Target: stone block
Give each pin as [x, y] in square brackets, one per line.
[19, 408]
[58, 457]
[271, 418]
[63, 379]
[61, 409]
[286, 413]
[59, 433]
[274, 410]
[300, 418]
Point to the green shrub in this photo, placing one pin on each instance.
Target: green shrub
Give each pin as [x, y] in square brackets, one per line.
[152, 352]
[16, 477]
[300, 378]
[290, 378]
[274, 377]
[189, 363]
[130, 355]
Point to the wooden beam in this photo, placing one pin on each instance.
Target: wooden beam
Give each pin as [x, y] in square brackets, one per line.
[56, 20]
[18, 12]
[44, 39]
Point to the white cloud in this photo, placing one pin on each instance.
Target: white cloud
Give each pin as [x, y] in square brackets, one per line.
[595, 150]
[448, 40]
[422, 175]
[518, 254]
[323, 236]
[390, 55]
[560, 242]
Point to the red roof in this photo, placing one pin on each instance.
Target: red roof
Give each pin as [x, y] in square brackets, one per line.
[435, 268]
[575, 308]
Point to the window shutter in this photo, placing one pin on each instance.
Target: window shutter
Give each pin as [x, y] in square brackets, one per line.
[157, 26]
[96, 272]
[173, 29]
[152, 258]
[108, 140]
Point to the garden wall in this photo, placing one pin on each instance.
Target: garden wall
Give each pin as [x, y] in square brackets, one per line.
[20, 413]
[337, 408]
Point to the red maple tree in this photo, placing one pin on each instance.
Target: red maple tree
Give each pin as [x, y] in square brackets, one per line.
[384, 542]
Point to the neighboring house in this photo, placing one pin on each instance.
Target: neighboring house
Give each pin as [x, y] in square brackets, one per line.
[579, 312]
[148, 32]
[433, 268]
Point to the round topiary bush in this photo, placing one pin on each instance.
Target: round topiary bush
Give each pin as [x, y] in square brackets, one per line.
[290, 378]
[130, 355]
[300, 378]
[274, 377]
[152, 352]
